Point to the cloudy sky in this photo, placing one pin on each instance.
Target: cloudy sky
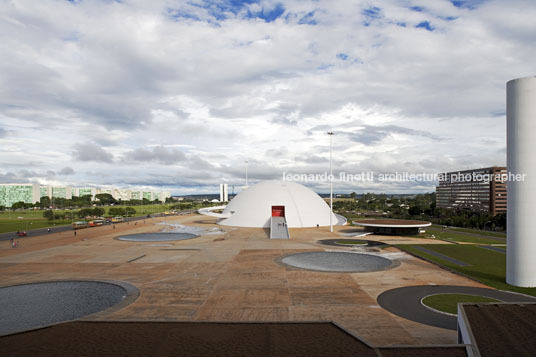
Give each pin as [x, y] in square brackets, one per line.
[177, 95]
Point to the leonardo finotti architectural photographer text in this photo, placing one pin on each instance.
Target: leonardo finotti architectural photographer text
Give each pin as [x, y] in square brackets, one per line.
[370, 176]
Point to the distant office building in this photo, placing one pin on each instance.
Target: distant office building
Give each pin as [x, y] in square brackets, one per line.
[19, 192]
[482, 190]
[224, 192]
[105, 190]
[85, 191]
[62, 192]
[163, 195]
[148, 195]
[32, 193]
[136, 195]
[123, 195]
[66, 192]
[45, 191]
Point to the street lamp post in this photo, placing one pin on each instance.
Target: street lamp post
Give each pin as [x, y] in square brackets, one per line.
[330, 133]
[52, 204]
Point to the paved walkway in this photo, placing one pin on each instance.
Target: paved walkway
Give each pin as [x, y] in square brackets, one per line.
[232, 276]
[406, 302]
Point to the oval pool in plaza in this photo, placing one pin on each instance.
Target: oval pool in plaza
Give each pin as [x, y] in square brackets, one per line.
[35, 305]
[343, 262]
[157, 237]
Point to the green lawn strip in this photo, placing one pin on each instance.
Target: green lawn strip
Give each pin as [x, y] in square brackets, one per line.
[480, 232]
[449, 302]
[471, 231]
[351, 242]
[9, 215]
[460, 237]
[14, 226]
[142, 209]
[10, 221]
[487, 266]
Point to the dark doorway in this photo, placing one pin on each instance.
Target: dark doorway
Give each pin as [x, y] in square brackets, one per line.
[278, 211]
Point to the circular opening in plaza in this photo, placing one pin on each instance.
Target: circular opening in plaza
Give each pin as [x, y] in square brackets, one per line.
[35, 305]
[395, 227]
[343, 262]
[157, 237]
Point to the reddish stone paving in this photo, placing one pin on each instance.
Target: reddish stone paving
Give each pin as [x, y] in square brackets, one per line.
[231, 277]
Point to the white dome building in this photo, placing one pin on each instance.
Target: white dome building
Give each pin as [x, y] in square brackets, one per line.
[255, 206]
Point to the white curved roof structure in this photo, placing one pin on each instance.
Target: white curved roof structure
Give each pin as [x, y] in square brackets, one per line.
[302, 206]
[208, 211]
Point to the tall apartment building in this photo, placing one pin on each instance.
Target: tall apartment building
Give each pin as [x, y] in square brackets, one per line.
[123, 195]
[62, 192]
[84, 191]
[482, 190]
[136, 195]
[148, 195]
[105, 190]
[32, 193]
[224, 192]
[162, 195]
[19, 192]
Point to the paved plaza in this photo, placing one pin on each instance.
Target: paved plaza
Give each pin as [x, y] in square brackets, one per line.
[232, 275]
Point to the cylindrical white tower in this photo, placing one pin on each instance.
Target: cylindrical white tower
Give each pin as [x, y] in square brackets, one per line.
[521, 159]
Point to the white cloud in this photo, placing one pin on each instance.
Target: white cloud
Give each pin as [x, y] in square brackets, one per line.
[91, 152]
[155, 78]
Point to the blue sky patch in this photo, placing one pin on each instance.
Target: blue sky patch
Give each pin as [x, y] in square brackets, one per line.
[268, 15]
[372, 13]
[425, 25]
[467, 4]
[308, 19]
[342, 56]
[177, 15]
[417, 8]
[221, 10]
[448, 18]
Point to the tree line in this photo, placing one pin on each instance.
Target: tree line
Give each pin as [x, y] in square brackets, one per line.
[421, 207]
[101, 199]
[88, 212]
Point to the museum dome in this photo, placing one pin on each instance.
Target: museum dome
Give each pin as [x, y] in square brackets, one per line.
[300, 206]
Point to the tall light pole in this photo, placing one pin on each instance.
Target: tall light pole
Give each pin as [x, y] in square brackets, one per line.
[246, 173]
[330, 133]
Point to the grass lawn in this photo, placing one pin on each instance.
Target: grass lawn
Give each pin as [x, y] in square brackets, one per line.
[13, 225]
[30, 219]
[473, 231]
[480, 232]
[352, 242]
[460, 237]
[143, 209]
[25, 220]
[486, 266]
[449, 302]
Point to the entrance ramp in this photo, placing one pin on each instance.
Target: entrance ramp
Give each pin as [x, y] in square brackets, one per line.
[278, 228]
